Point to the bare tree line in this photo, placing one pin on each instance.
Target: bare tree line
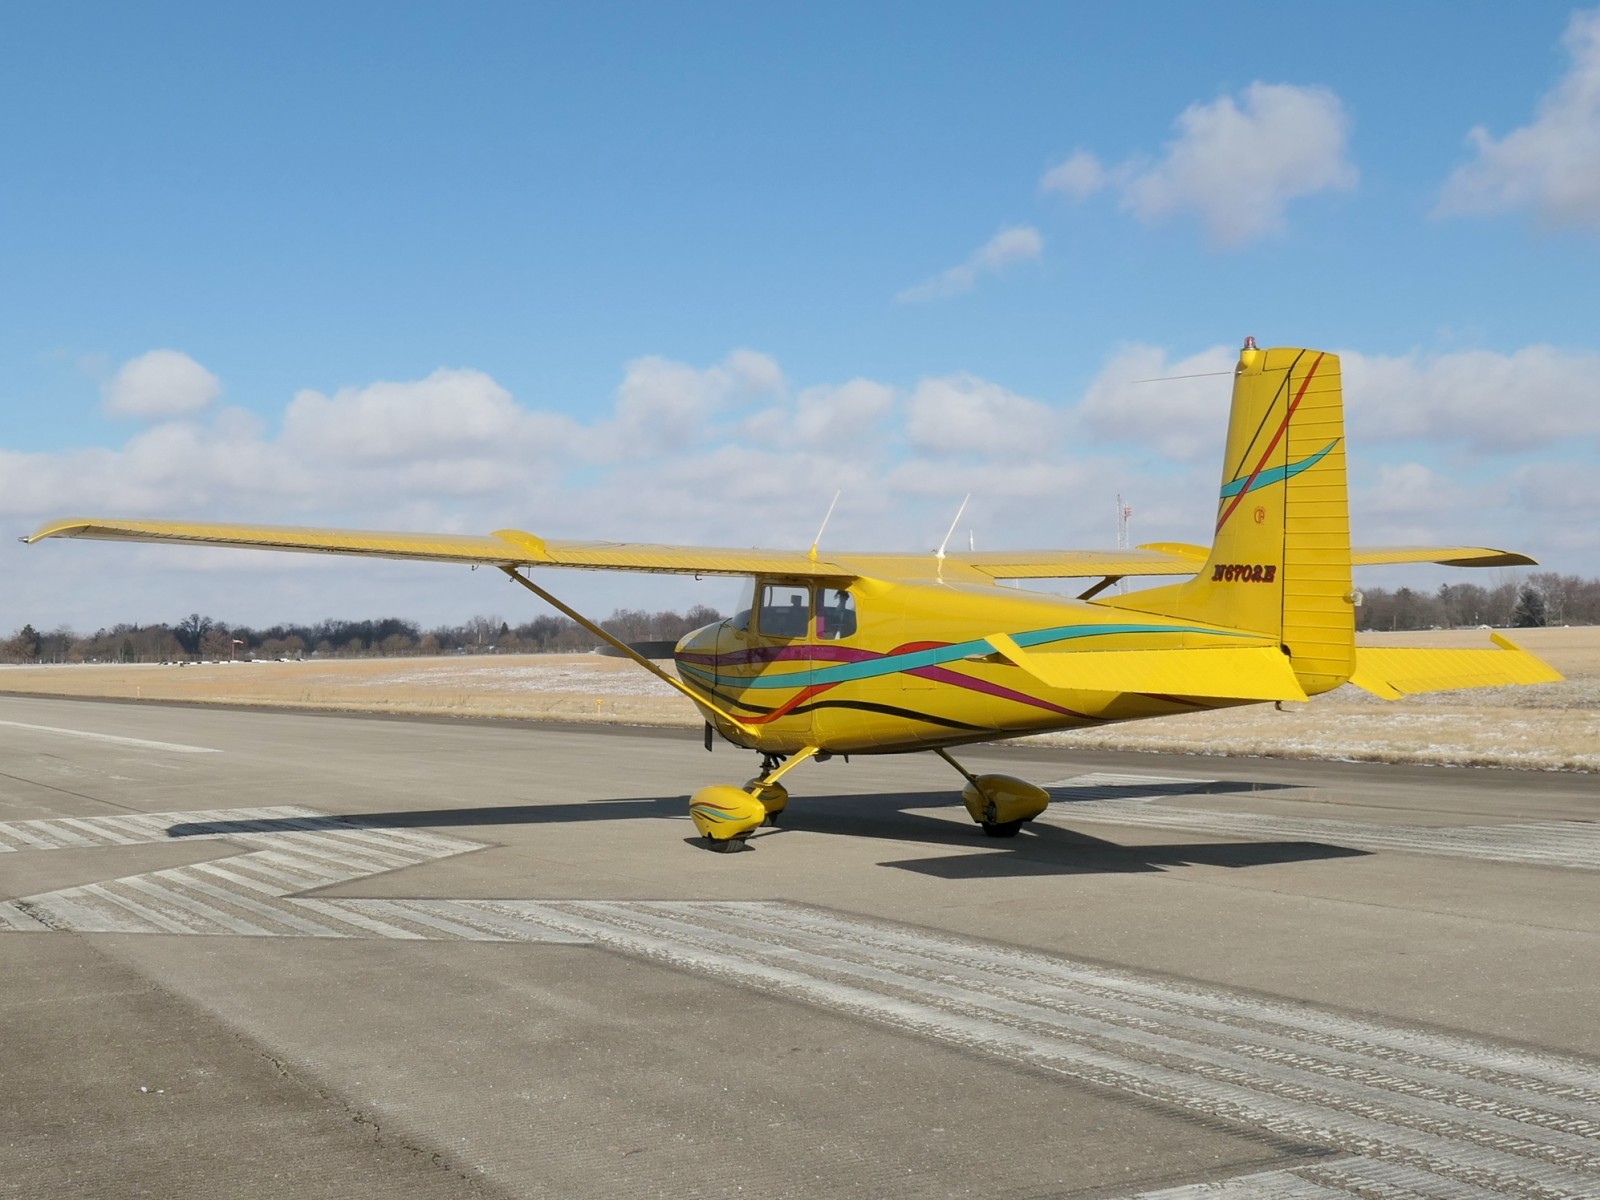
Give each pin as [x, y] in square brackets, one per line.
[198, 637]
[1543, 598]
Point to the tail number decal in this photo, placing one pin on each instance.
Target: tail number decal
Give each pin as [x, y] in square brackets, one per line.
[1244, 573]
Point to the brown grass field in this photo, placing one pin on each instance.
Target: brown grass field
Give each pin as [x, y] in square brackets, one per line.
[1552, 726]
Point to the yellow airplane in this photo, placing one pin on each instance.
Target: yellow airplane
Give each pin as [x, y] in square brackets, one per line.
[843, 654]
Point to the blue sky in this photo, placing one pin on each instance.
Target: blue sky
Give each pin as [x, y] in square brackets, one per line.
[678, 273]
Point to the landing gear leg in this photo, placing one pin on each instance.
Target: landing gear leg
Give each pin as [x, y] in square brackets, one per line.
[999, 803]
[765, 787]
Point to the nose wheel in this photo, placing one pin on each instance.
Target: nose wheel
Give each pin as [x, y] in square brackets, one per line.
[725, 815]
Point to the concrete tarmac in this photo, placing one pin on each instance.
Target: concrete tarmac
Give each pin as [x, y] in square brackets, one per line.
[270, 954]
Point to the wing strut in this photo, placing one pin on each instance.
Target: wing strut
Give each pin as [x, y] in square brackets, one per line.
[623, 648]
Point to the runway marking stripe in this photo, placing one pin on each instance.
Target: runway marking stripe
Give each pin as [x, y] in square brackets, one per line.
[131, 829]
[142, 743]
[30, 838]
[96, 833]
[242, 879]
[337, 911]
[209, 914]
[128, 912]
[272, 914]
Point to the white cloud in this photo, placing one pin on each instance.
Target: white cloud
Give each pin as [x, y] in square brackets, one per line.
[159, 385]
[1235, 165]
[1020, 243]
[965, 415]
[1551, 165]
[1481, 400]
[1078, 177]
[666, 405]
[1490, 402]
[843, 420]
[1178, 406]
[451, 414]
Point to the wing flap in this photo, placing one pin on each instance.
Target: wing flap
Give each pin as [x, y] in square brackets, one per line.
[1393, 672]
[1224, 672]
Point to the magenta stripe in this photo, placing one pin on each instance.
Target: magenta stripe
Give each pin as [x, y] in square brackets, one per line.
[955, 679]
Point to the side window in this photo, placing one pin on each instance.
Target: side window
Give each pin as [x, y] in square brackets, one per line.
[836, 614]
[785, 610]
[747, 601]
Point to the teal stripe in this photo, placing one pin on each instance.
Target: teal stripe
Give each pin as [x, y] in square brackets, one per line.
[706, 810]
[1277, 474]
[939, 655]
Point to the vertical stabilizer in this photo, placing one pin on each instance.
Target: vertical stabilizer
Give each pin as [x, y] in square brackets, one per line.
[1280, 554]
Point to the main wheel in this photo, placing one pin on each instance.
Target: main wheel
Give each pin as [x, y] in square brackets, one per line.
[721, 845]
[1002, 828]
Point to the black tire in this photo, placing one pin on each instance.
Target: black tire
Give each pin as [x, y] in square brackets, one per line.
[720, 845]
[1002, 828]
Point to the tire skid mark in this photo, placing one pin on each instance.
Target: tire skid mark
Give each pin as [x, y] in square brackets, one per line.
[1408, 1112]
[1471, 1137]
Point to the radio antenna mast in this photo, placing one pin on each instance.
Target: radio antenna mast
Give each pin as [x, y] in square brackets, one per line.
[1124, 512]
[825, 519]
[949, 533]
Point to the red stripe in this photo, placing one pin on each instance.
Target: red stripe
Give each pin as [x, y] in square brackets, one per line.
[1276, 438]
[791, 704]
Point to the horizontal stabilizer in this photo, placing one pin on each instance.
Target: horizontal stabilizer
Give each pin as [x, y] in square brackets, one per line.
[1220, 673]
[1405, 671]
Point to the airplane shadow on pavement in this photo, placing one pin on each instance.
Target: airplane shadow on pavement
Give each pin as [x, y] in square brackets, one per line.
[1041, 848]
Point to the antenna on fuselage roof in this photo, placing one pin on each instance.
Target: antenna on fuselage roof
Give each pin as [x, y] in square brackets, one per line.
[818, 540]
[949, 533]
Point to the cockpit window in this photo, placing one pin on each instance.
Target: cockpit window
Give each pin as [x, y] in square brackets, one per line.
[836, 614]
[785, 610]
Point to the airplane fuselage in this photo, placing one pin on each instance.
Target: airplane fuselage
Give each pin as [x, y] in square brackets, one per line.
[911, 669]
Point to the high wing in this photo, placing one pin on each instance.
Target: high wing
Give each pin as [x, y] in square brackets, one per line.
[514, 547]
[1376, 556]
[503, 548]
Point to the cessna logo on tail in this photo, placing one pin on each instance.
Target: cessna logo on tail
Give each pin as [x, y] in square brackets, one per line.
[1244, 573]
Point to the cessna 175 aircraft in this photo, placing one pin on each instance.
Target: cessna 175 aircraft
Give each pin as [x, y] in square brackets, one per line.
[848, 653]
